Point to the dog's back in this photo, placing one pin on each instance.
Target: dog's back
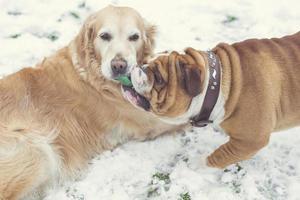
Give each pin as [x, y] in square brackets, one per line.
[271, 68]
[33, 105]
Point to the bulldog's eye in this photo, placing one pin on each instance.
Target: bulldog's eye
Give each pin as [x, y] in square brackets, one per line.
[105, 36]
[134, 37]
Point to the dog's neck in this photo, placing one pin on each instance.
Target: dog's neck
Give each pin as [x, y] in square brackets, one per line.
[212, 92]
[231, 85]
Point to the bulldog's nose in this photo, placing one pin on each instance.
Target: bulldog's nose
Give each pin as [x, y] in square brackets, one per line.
[118, 66]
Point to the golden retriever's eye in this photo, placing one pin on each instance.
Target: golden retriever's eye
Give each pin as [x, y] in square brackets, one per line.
[106, 36]
[134, 37]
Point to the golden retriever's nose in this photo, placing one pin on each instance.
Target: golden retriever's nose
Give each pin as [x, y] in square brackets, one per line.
[118, 66]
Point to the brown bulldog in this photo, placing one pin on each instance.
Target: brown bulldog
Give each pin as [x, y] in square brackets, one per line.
[248, 89]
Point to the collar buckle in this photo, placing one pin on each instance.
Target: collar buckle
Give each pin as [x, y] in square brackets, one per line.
[201, 123]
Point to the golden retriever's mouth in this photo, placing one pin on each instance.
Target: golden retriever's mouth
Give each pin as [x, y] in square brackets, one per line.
[135, 98]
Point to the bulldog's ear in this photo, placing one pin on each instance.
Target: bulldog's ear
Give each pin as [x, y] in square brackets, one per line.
[191, 78]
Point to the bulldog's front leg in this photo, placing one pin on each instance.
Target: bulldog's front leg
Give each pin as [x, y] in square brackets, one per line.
[236, 150]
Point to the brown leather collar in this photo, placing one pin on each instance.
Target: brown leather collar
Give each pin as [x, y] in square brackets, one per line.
[212, 92]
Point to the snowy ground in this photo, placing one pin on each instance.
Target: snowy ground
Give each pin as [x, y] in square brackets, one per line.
[165, 168]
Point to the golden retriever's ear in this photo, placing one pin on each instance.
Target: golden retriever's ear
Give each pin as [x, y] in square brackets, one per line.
[84, 43]
[149, 41]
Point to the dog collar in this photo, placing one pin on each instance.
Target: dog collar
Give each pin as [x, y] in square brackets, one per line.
[212, 93]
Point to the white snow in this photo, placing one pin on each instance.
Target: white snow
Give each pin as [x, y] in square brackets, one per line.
[171, 165]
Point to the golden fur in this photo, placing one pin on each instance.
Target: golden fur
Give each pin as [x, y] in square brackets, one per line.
[58, 115]
[260, 87]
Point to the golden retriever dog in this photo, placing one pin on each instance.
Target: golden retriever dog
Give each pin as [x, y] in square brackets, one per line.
[56, 116]
[248, 90]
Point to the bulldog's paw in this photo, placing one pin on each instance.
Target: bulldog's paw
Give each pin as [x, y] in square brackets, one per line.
[199, 163]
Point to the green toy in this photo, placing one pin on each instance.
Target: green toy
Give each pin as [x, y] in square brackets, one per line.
[124, 80]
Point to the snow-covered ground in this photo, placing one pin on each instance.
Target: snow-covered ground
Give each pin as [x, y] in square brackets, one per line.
[167, 167]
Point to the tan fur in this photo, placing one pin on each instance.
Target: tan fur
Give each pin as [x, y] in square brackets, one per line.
[58, 115]
[260, 86]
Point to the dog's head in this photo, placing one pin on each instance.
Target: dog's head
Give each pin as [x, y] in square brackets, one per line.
[170, 82]
[112, 42]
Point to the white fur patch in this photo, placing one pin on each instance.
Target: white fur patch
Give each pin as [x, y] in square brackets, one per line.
[53, 160]
[118, 135]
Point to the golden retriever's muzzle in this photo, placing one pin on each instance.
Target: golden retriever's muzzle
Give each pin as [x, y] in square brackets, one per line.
[170, 82]
[118, 66]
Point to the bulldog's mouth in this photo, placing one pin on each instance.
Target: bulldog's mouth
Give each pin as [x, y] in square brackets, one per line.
[135, 98]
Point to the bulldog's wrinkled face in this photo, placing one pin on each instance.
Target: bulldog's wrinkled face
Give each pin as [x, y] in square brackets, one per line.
[169, 83]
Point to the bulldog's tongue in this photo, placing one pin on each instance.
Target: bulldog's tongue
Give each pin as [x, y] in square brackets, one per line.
[135, 98]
